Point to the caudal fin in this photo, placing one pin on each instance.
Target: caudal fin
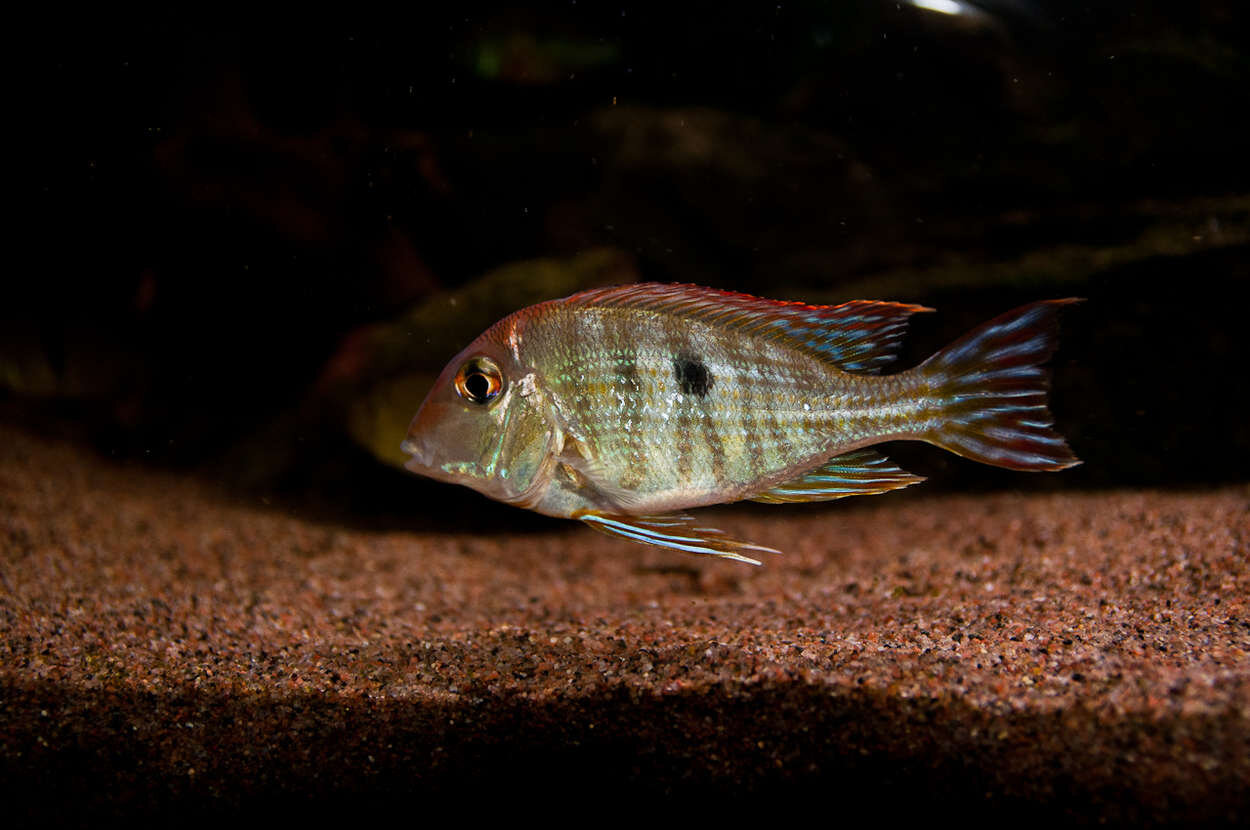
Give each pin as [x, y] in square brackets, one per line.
[993, 392]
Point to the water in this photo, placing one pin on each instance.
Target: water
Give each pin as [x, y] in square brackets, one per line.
[224, 213]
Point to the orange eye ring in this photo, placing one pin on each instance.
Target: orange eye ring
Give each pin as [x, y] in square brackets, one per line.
[479, 380]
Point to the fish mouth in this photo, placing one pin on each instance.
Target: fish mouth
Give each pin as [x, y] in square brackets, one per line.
[417, 463]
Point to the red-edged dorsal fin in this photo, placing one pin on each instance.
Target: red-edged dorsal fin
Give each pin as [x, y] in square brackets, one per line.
[858, 336]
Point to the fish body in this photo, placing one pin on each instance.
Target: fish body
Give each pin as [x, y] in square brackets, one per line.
[624, 406]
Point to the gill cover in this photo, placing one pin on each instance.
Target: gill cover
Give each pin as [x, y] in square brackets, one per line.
[485, 424]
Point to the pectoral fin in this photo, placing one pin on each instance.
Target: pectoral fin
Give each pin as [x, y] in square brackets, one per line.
[856, 473]
[677, 532]
[583, 467]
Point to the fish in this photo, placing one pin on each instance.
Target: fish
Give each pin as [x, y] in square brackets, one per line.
[624, 407]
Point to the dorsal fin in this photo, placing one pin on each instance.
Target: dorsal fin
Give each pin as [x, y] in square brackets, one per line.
[858, 336]
[856, 473]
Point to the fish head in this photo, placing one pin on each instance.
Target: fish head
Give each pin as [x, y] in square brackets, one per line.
[483, 424]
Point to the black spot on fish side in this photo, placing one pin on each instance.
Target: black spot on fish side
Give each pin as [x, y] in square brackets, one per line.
[627, 370]
[692, 375]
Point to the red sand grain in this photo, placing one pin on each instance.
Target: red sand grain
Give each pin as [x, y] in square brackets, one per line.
[1084, 654]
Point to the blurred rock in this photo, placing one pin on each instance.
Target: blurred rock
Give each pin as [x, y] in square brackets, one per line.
[705, 194]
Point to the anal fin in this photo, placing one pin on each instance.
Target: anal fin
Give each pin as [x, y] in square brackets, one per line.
[857, 473]
[676, 532]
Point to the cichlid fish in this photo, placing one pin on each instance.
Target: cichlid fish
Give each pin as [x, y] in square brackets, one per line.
[623, 406]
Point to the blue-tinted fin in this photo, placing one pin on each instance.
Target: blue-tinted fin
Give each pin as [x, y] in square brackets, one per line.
[993, 391]
[676, 532]
[859, 336]
[857, 473]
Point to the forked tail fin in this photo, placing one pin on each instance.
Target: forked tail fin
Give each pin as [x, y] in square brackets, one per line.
[992, 392]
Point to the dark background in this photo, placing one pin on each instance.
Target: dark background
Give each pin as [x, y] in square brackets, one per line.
[241, 248]
[237, 229]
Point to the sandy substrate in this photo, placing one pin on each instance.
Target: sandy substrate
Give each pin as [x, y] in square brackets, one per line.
[165, 648]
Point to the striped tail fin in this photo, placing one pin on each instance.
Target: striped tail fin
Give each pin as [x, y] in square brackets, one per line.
[992, 390]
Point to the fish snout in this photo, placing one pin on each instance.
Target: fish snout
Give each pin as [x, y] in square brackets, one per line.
[418, 461]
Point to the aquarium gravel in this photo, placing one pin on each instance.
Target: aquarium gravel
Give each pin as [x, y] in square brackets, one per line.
[166, 646]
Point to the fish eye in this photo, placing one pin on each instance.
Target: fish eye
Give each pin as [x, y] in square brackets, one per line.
[479, 380]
